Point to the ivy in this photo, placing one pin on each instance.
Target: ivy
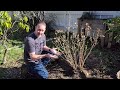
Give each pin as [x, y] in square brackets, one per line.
[114, 26]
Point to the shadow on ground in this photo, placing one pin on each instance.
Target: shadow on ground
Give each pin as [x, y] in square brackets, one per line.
[18, 70]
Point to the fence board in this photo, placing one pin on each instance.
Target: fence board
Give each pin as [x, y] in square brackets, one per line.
[104, 41]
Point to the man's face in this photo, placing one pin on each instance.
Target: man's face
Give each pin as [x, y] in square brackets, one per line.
[40, 29]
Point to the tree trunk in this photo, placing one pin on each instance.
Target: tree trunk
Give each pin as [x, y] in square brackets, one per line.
[4, 57]
[5, 50]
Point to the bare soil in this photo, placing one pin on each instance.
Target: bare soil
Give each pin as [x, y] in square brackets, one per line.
[98, 66]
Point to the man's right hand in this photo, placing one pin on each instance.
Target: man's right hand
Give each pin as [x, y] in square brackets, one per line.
[51, 56]
[55, 52]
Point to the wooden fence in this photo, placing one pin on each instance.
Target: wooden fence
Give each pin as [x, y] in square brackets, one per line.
[108, 40]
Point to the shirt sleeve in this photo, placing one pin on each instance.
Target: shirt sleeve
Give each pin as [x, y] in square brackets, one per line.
[30, 45]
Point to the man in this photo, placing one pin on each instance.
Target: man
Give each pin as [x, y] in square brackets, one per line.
[35, 57]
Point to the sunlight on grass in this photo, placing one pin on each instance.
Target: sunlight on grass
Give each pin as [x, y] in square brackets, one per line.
[13, 54]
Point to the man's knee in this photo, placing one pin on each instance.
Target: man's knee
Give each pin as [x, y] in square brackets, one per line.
[43, 74]
[41, 71]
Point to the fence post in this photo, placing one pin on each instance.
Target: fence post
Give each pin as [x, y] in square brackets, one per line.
[110, 40]
[102, 33]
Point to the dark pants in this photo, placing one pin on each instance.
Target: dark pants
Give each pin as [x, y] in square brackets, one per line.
[38, 69]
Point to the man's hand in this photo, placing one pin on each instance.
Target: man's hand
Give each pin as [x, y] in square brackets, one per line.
[54, 56]
[55, 52]
[51, 56]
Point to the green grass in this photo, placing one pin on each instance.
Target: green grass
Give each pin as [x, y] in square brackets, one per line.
[13, 54]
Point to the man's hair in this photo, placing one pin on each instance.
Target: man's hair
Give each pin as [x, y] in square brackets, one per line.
[41, 22]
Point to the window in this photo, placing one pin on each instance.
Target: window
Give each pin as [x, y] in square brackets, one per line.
[106, 16]
[103, 16]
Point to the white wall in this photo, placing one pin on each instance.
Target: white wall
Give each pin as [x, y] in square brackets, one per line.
[64, 19]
